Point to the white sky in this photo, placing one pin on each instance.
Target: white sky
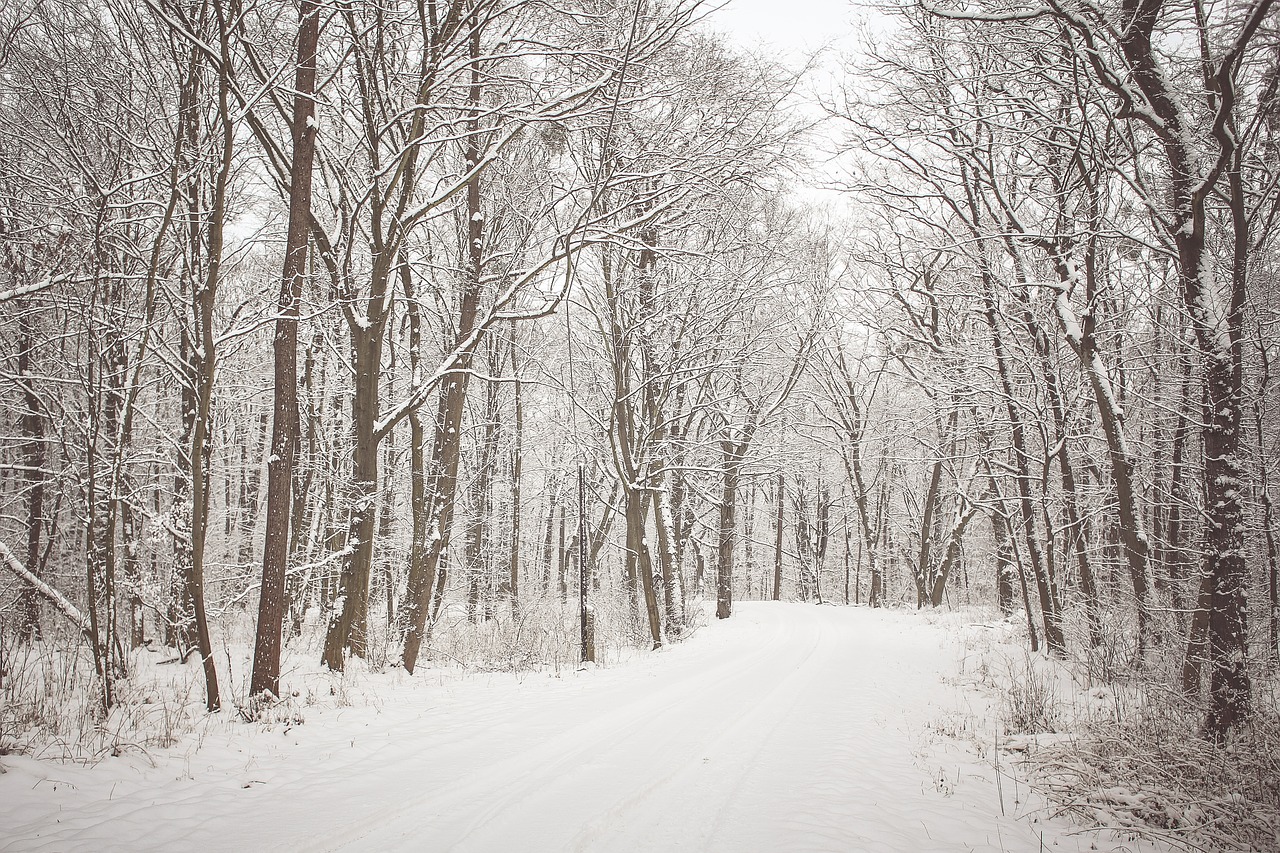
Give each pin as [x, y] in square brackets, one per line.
[794, 26]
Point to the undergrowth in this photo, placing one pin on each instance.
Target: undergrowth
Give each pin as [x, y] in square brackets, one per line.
[1118, 749]
[50, 703]
[50, 694]
[1151, 774]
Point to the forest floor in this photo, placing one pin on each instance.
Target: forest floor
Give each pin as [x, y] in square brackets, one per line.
[788, 727]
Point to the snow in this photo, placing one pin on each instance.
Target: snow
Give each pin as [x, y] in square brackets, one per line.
[787, 727]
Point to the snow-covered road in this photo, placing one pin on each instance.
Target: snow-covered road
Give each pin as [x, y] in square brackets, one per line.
[786, 728]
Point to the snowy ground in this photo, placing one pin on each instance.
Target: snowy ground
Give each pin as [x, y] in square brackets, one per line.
[787, 728]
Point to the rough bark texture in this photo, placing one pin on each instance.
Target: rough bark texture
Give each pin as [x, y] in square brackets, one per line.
[441, 493]
[1218, 335]
[512, 584]
[586, 620]
[33, 457]
[780, 493]
[731, 460]
[638, 545]
[284, 424]
[204, 359]
[479, 582]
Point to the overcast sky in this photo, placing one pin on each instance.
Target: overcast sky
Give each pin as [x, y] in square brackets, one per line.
[791, 30]
[795, 26]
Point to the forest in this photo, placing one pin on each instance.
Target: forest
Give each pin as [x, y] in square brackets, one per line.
[505, 333]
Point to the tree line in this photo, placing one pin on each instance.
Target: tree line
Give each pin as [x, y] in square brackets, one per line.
[547, 320]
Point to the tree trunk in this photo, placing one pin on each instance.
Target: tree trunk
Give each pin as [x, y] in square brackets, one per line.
[517, 467]
[1175, 557]
[1224, 566]
[1004, 563]
[637, 545]
[478, 580]
[1218, 331]
[730, 458]
[33, 458]
[952, 555]
[284, 424]
[549, 533]
[778, 520]
[436, 522]
[876, 594]
[671, 592]
[348, 629]
[418, 508]
[1045, 586]
[821, 537]
[387, 525]
[251, 453]
[924, 569]
[1268, 510]
[205, 363]
[422, 589]
[1197, 637]
[181, 633]
[1083, 341]
[562, 556]
[1075, 539]
[586, 620]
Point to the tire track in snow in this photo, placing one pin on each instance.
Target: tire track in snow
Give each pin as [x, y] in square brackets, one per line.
[451, 819]
[789, 727]
[715, 769]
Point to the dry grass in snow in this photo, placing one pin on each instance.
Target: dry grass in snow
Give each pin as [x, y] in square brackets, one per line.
[1123, 752]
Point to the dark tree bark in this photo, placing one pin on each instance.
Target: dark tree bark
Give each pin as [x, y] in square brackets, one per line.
[1174, 552]
[348, 628]
[951, 557]
[549, 533]
[586, 619]
[181, 618]
[1004, 562]
[876, 594]
[1220, 339]
[284, 425]
[851, 413]
[638, 550]
[204, 363]
[672, 589]
[251, 458]
[1268, 509]
[562, 557]
[731, 453]
[930, 512]
[478, 576]
[33, 458]
[512, 583]
[442, 488]
[778, 520]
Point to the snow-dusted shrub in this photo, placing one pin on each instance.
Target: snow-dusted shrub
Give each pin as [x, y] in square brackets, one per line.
[50, 702]
[542, 634]
[1155, 777]
[1136, 762]
[48, 695]
[1029, 701]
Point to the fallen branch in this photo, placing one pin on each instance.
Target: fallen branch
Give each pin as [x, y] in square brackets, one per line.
[57, 599]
